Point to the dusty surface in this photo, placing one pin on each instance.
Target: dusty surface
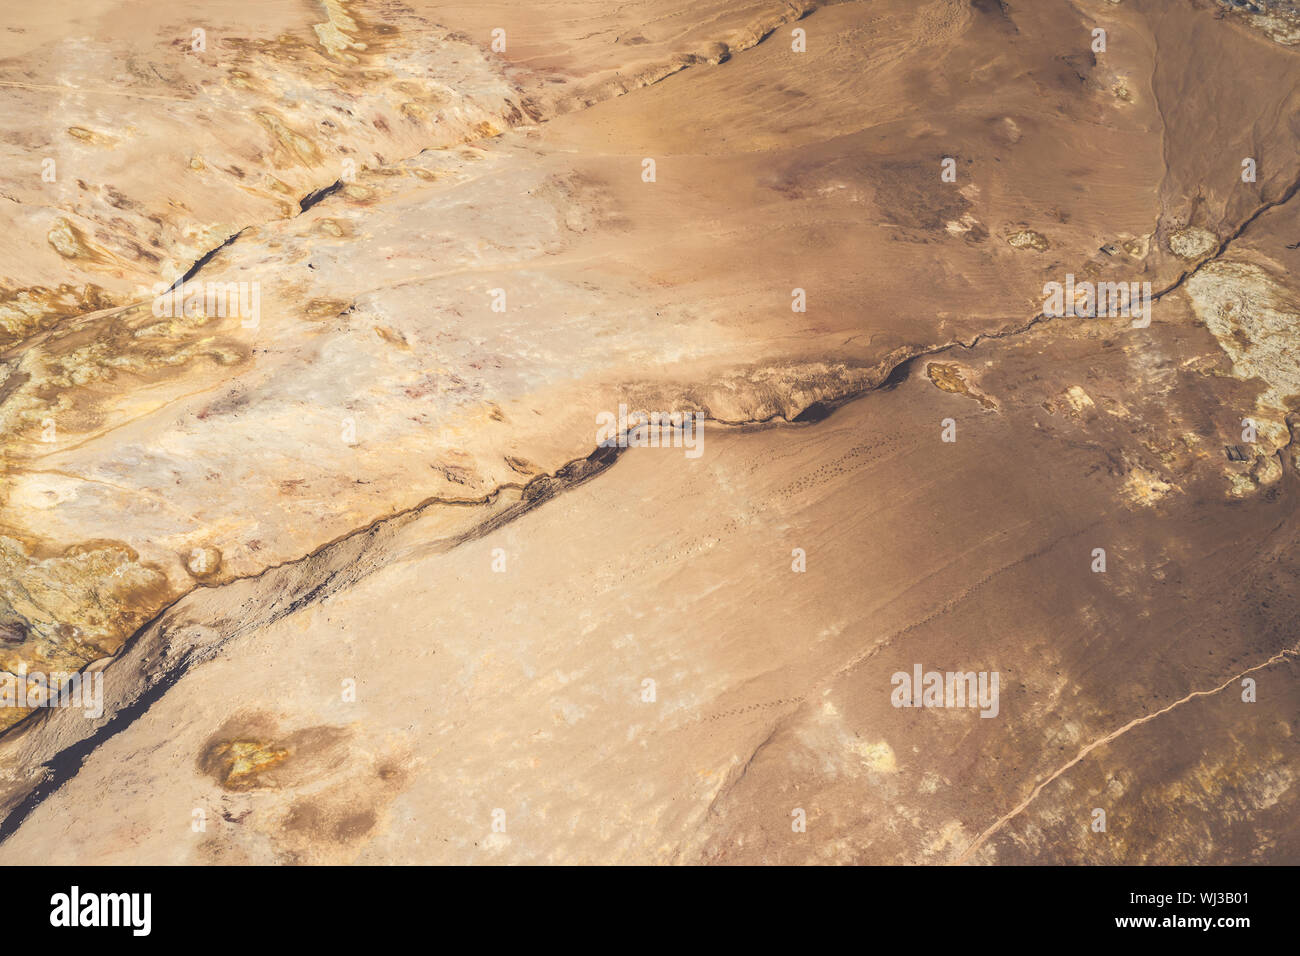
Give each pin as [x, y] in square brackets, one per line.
[360, 582]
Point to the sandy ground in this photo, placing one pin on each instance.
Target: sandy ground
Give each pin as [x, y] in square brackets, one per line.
[362, 587]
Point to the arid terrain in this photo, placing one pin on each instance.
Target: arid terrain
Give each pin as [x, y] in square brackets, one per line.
[328, 336]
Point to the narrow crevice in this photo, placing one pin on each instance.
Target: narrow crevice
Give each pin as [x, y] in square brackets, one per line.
[203, 260]
[544, 487]
[316, 196]
[313, 198]
[64, 764]
[1286, 197]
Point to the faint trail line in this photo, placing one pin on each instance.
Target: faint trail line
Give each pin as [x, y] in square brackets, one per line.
[1002, 821]
[51, 88]
[952, 603]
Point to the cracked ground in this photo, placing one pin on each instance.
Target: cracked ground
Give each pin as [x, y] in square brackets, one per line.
[359, 579]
